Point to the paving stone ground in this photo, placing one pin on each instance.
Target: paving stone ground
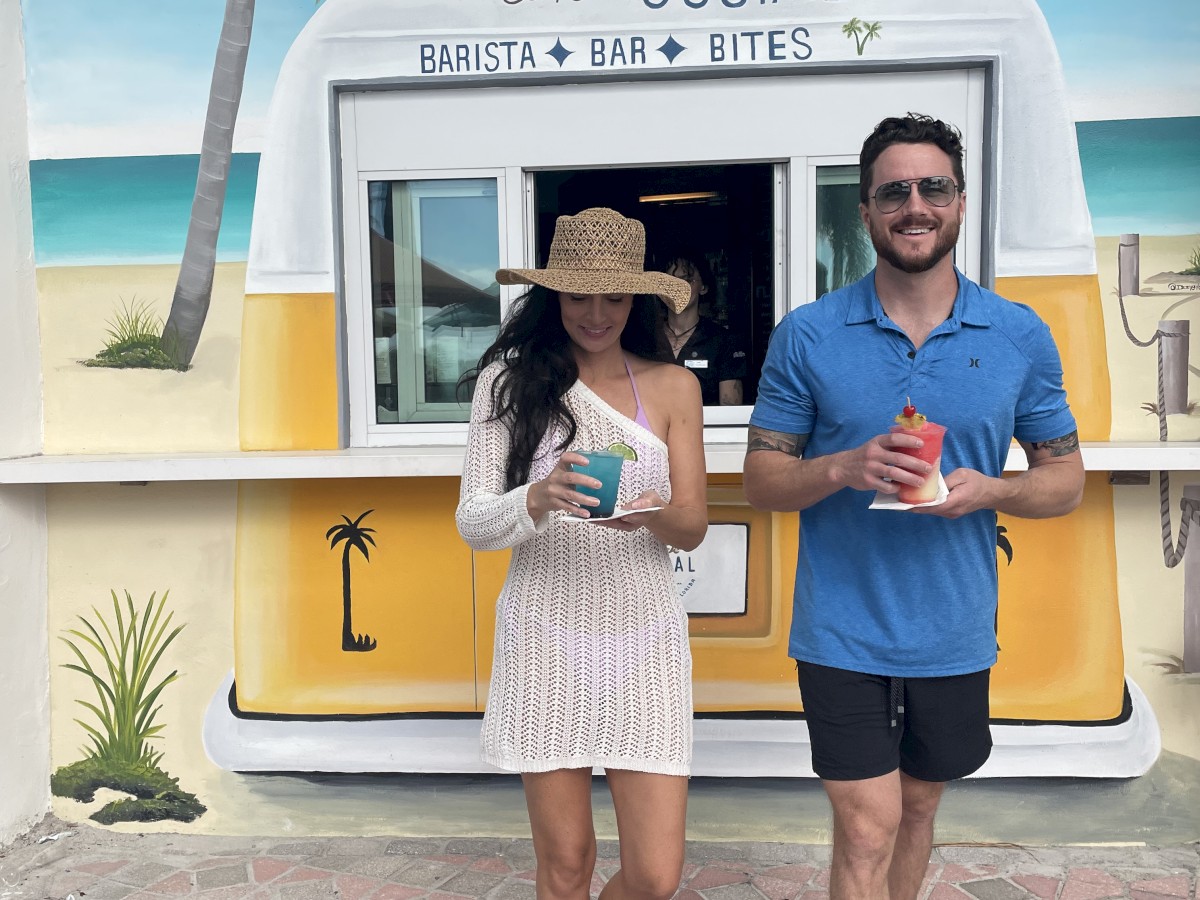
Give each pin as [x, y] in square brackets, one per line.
[60, 860]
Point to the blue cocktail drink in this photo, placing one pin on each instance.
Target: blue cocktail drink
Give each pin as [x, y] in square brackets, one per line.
[605, 467]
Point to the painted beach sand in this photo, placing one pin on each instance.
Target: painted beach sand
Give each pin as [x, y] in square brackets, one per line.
[94, 410]
[1151, 598]
[1134, 370]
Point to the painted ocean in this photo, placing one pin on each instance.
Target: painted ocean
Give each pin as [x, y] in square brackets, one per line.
[1141, 175]
[131, 209]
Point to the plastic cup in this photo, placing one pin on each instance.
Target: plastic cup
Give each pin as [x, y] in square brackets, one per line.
[605, 467]
[932, 434]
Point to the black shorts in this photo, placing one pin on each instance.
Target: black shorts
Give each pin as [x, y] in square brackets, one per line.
[940, 729]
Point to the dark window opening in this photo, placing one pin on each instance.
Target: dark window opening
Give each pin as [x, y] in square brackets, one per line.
[723, 212]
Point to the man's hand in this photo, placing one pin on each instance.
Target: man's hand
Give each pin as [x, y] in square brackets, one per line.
[777, 476]
[878, 466]
[969, 491]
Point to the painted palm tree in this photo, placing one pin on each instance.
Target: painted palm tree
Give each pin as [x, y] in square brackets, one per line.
[1006, 547]
[1004, 543]
[862, 32]
[356, 537]
[193, 289]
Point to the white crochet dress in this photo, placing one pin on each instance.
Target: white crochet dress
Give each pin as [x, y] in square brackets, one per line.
[592, 666]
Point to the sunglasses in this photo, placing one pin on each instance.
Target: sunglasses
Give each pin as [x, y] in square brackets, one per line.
[937, 190]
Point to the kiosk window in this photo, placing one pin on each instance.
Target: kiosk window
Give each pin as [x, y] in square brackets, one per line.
[434, 301]
[844, 251]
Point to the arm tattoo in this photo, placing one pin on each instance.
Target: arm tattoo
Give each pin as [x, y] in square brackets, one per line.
[1060, 446]
[761, 439]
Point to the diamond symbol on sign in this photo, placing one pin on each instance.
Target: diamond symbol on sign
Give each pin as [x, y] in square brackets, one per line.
[671, 49]
[559, 52]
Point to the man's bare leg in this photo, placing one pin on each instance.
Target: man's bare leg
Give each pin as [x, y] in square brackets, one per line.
[866, 818]
[914, 839]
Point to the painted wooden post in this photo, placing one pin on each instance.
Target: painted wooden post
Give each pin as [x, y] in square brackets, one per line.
[1191, 582]
[1129, 261]
[1175, 337]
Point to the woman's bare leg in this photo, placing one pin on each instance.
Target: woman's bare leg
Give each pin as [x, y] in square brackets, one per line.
[651, 823]
[564, 840]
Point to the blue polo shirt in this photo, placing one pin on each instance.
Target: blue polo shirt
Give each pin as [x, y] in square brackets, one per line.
[884, 591]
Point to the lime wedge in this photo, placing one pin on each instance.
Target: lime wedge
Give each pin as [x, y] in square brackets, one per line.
[623, 450]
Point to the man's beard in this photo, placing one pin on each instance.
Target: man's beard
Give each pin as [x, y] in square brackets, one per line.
[947, 238]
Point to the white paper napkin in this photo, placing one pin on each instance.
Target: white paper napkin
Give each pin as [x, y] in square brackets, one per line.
[892, 501]
[619, 514]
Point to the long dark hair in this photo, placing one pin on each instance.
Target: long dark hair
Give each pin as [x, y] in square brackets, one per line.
[540, 368]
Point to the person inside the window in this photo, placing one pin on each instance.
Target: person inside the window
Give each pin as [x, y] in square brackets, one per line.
[698, 343]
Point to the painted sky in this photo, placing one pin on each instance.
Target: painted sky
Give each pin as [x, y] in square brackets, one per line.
[1128, 60]
[130, 77]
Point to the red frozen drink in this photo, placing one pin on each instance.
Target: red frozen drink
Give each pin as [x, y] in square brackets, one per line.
[912, 422]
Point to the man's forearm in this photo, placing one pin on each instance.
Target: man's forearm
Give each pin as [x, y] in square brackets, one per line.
[782, 483]
[777, 478]
[1053, 486]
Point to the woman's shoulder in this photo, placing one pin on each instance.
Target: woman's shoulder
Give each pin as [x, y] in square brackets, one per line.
[668, 380]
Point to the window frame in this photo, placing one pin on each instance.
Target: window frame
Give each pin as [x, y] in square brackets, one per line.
[360, 361]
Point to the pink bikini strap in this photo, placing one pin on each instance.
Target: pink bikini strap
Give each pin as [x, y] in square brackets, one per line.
[640, 418]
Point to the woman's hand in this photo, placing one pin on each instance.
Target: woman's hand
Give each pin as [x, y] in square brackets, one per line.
[635, 521]
[557, 490]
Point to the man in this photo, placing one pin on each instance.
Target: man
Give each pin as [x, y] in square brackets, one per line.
[894, 612]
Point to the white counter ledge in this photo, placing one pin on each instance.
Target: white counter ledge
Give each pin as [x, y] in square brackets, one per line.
[431, 461]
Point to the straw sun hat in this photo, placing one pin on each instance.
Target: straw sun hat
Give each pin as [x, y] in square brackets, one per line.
[600, 251]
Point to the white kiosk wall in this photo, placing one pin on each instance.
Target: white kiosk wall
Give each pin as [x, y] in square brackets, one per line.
[24, 680]
[390, 131]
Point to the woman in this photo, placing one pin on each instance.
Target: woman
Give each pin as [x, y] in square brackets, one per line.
[592, 666]
[702, 345]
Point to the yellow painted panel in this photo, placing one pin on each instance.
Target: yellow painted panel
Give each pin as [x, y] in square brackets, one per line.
[491, 568]
[289, 393]
[1070, 305]
[741, 663]
[412, 596]
[738, 663]
[1059, 622]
